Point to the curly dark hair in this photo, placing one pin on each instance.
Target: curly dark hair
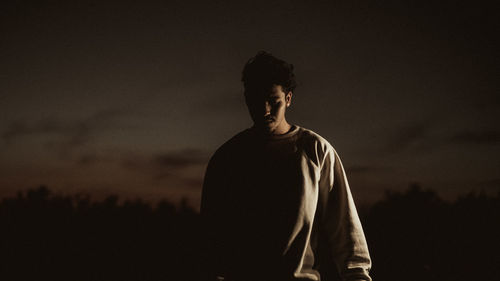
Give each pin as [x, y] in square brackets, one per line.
[265, 70]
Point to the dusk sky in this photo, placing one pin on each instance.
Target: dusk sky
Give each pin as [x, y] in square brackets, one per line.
[132, 97]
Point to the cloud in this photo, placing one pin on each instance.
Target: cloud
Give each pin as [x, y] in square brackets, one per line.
[73, 129]
[15, 129]
[87, 159]
[193, 181]
[179, 159]
[365, 169]
[477, 137]
[418, 137]
[173, 160]
[170, 166]
[491, 184]
[412, 136]
[64, 135]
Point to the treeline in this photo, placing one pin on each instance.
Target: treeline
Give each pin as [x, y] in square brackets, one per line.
[412, 235]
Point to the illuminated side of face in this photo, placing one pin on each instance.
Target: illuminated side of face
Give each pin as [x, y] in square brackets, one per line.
[267, 108]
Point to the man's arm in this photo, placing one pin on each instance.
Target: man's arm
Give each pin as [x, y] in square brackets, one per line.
[210, 209]
[209, 187]
[340, 221]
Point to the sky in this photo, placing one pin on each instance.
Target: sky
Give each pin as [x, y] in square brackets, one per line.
[133, 97]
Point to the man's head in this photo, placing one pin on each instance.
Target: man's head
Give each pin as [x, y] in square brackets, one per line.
[269, 83]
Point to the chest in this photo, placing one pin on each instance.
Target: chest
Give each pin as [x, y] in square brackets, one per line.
[273, 179]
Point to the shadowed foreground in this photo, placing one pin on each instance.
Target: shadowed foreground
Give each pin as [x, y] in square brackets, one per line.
[412, 236]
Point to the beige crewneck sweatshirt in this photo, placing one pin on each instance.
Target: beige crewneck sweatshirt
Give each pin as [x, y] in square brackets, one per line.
[271, 204]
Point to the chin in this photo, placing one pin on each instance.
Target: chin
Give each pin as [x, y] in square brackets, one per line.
[267, 127]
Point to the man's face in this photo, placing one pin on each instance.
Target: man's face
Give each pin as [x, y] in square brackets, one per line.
[267, 107]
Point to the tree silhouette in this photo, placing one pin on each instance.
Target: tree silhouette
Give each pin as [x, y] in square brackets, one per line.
[412, 235]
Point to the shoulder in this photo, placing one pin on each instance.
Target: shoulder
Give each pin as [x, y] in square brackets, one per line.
[316, 146]
[311, 137]
[231, 146]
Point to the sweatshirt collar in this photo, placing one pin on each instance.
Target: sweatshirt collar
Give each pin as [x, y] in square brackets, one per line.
[293, 131]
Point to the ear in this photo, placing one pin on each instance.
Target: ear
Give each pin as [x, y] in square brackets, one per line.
[288, 98]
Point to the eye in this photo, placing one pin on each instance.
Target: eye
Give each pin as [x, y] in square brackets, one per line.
[274, 101]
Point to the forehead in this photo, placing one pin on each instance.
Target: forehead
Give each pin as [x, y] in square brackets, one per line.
[269, 91]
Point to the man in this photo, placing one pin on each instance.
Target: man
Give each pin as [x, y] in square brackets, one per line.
[276, 203]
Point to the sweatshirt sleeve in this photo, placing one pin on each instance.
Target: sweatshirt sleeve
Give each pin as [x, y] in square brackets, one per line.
[210, 211]
[210, 186]
[340, 221]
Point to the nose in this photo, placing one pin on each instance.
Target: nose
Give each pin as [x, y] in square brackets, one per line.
[267, 108]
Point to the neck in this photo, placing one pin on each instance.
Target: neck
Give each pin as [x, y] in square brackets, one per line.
[283, 128]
